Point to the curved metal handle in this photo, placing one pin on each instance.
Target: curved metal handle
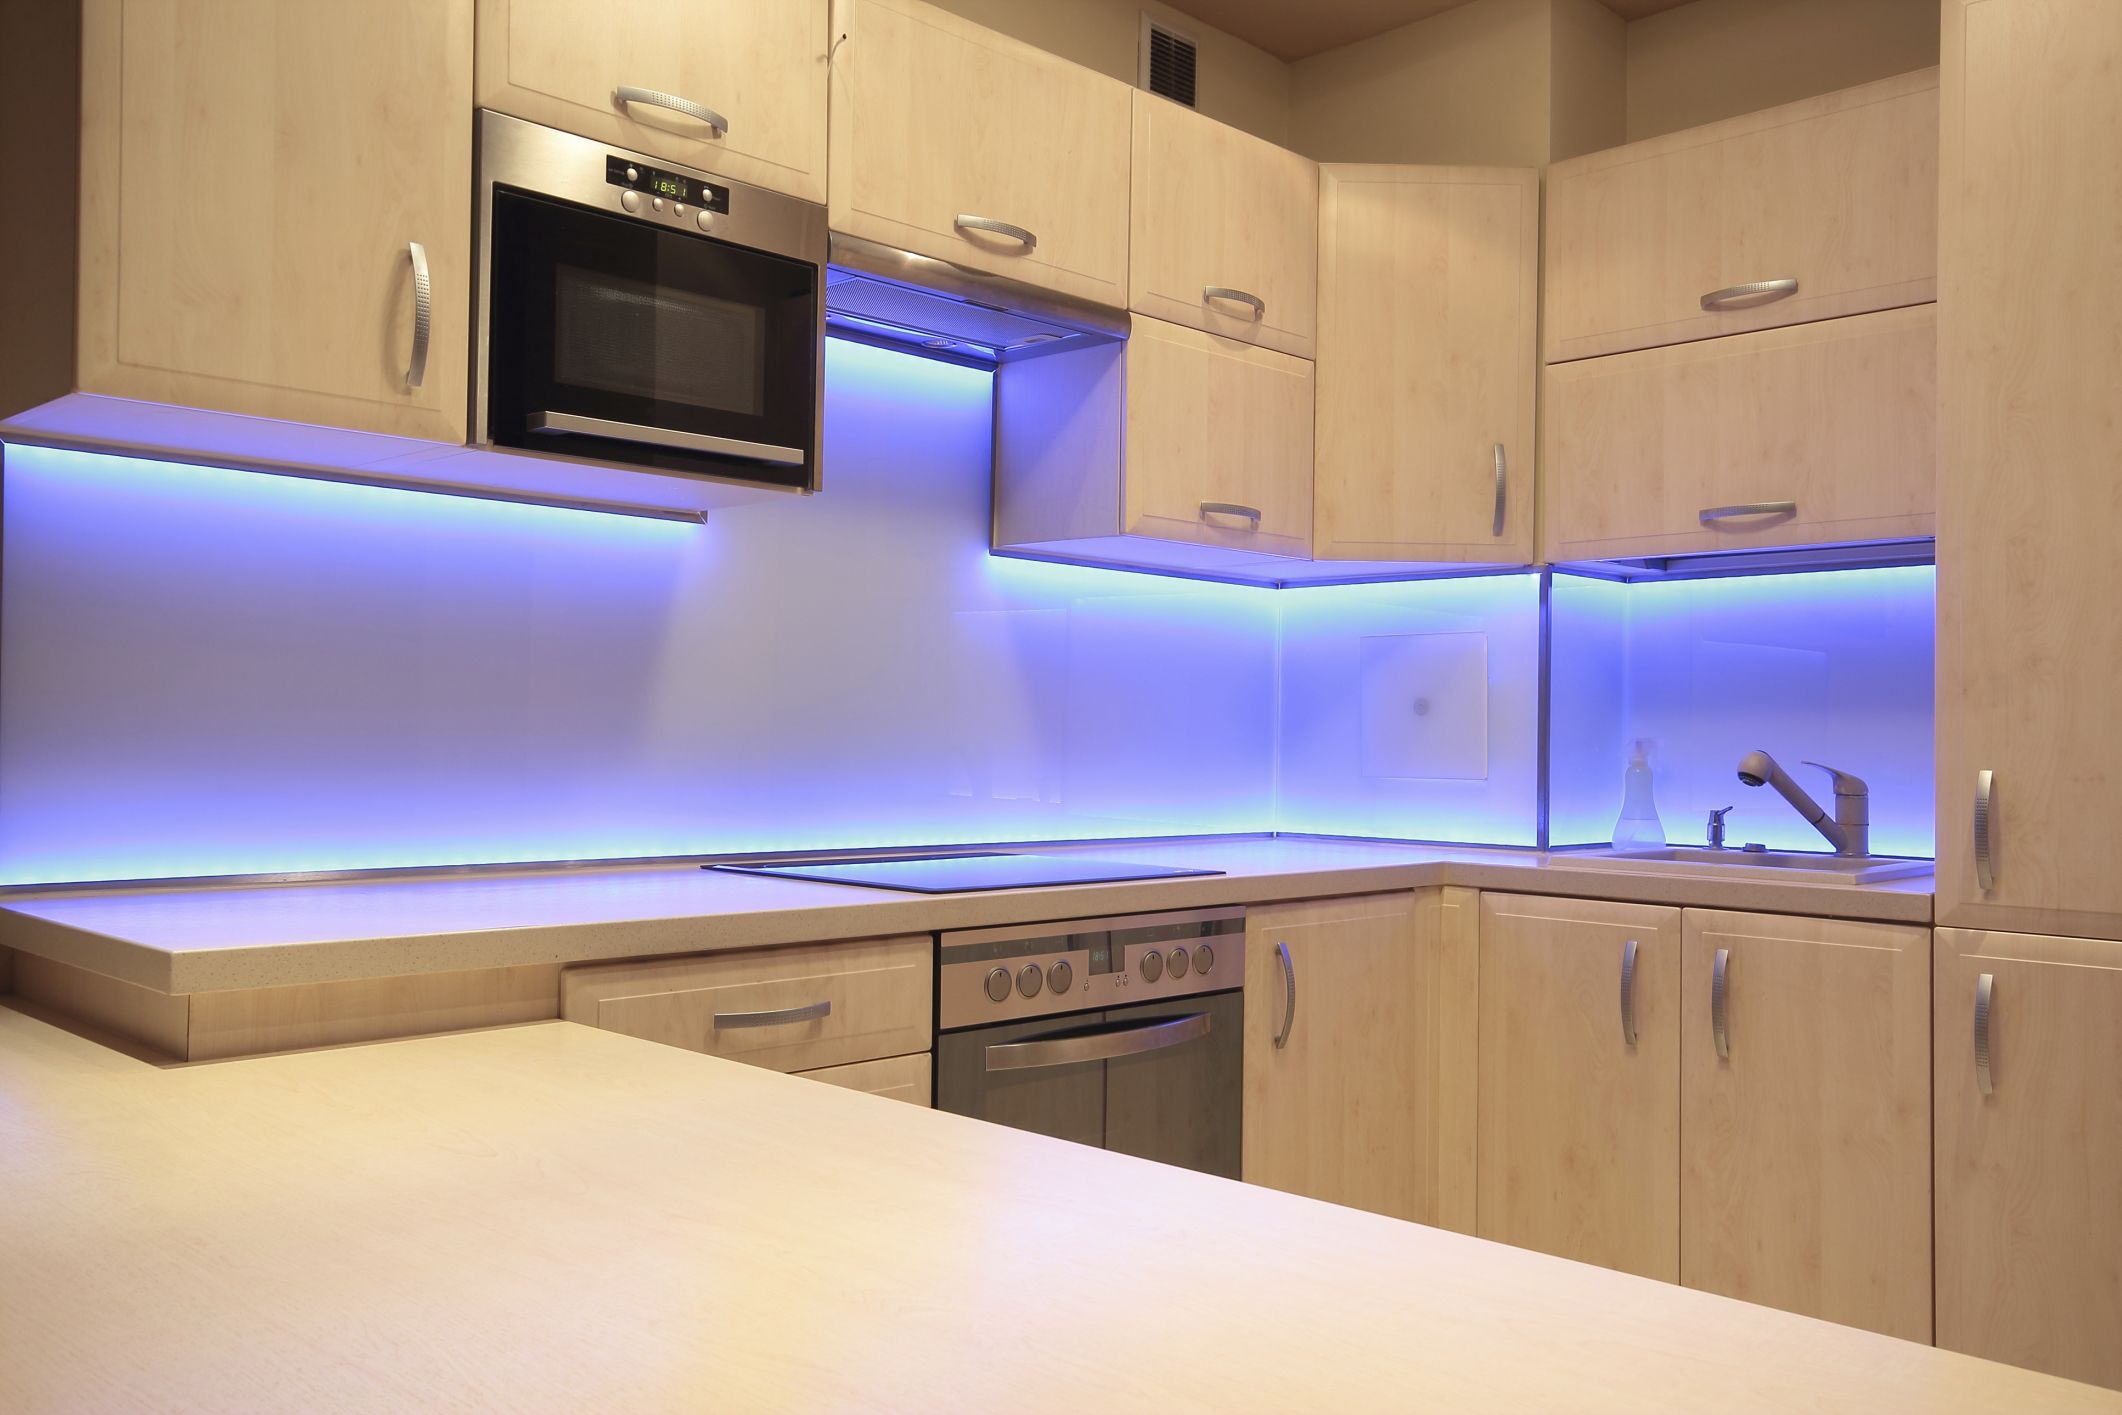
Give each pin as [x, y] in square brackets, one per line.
[1749, 296]
[1985, 865]
[625, 94]
[1289, 984]
[1985, 997]
[965, 222]
[1097, 1046]
[1628, 993]
[423, 315]
[1231, 508]
[775, 1016]
[1236, 297]
[1709, 514]
[1502, 492]
[1719, 997]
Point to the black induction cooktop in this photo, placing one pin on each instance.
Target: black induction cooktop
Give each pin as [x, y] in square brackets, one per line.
[961, 874]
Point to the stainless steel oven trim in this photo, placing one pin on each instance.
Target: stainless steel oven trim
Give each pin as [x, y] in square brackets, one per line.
[529, 157]
[963, 1002]
[1106, 923]
[666, 437]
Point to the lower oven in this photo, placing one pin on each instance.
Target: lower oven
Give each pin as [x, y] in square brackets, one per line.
[1125, 1033]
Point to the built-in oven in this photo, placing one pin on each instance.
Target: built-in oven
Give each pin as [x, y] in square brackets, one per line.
[633, 312]
[1124, 1033]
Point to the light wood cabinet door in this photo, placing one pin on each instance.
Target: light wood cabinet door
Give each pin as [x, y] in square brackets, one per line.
[952, 141]
[1219, 441]
[2029, 1171]
[255, 174]
[1815, 435]
[1579, 1150]
[1220, 219]
[1837, 195]
[759, 65]
[1429, 282]
[2029, 644]
[1364, 1095]
[1805, 1117]
[896, 1078]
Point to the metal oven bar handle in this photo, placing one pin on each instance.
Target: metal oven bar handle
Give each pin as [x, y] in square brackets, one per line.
[1097, 1046]
[667, 437]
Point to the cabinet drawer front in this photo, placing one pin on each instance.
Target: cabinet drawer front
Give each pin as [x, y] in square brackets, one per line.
[934, 119]
[791, 1009]
[1215, 209]
[1831, 427]
[898, 1078]
[1838, 193]
[760, 64]
[1219, 441]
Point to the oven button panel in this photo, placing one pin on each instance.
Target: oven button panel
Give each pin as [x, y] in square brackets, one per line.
[1053, 981]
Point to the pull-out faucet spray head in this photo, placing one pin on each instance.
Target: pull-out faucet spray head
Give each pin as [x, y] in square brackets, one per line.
[1849, 832]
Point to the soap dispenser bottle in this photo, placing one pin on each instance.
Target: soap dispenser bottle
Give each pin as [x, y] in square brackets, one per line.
[1638, 828]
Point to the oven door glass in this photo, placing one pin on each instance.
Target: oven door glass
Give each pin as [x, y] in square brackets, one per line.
[618, 340]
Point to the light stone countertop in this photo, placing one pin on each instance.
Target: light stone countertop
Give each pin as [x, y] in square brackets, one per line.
[220, 938]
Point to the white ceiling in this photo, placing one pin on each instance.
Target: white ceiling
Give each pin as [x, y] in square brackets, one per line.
[1291, 30]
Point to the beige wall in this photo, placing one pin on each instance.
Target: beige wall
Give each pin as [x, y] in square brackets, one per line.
[1245, 87]
[1719, 58]
[1587, 80]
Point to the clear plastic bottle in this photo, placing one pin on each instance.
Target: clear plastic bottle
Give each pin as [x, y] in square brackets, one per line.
[1639, 827]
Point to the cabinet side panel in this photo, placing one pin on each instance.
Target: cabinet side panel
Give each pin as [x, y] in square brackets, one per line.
[40, 112]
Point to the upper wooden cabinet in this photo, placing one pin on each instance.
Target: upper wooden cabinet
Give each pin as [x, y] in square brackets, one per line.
[1818, 434]
[1834, 198]
[1429, 284]
[255, 180]
[735, 87]
[954, 142]
[1224, 229]
[2030, 366]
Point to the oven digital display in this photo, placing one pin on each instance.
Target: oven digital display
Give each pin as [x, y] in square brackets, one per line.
[672, 186]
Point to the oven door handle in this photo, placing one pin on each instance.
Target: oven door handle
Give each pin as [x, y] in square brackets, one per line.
[552, 423]
[1098, 1046]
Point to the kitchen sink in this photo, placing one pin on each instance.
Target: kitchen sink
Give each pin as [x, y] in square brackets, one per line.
[1799, 866]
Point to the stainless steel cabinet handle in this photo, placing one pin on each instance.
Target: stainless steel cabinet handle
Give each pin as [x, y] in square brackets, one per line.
[1097, 1046]
[1709, 514]
[1628, 992]
[966, 222]
[775, 1016]
[1985, 998]
[1289, 988]
[561, 423]
[1231, 508]
[1985, 866]
[1749, 296]
[1719, 1004]
[1502, 492]
[627, 93]
[1236, 297]
[423, 315]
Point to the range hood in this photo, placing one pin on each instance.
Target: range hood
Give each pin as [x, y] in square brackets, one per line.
[943, 310]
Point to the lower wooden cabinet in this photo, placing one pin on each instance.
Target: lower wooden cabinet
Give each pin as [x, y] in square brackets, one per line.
[1359, 1052]
[898, 1078]
[2029, 1151]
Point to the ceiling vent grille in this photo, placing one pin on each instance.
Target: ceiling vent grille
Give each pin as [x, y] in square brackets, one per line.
[1168, 60]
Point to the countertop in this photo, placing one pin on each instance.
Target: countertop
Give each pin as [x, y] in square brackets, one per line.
[213, 939]
[549, 1217]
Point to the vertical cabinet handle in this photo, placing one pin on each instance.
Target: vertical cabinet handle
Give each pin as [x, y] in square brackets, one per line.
[1985, 865]
[1628, 993]
[626, 94]
[1719, 1004]
[423, 315]
[1985, 1072]
[1289, 988]
[1502, 492]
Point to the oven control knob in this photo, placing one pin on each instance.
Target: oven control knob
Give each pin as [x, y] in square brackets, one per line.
[1060, 976]
[707, 221]
[656, 202]
[1178, 962]
[998, 985]
[1152, 966]
[1030, 980]
[633, 174]
[1204, 959]
[630, 200]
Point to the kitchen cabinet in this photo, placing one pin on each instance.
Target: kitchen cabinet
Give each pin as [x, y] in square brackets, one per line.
[957, 143]
[1428, 350]
[1360, 1052]
[2029, 1151]
[2029, 645]
[258, 182]
[1805, 1117]
[1224, 229]
[734, 87]
[1817, 434]
[1830, 203]
[898, 1078]
[1579, 1133]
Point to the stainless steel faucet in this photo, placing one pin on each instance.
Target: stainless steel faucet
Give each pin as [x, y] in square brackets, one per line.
[1849, 832]
[1716, 827]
